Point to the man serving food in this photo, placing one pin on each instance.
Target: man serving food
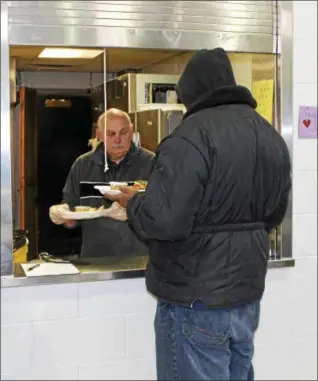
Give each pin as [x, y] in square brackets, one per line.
[126, 164]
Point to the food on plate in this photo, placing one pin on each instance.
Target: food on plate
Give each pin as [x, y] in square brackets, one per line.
[116, 185]
[140, 185]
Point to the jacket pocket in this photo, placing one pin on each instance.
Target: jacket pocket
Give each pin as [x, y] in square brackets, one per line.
[208, 327]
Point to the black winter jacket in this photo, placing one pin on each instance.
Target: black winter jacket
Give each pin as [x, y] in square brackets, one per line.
[219, 184]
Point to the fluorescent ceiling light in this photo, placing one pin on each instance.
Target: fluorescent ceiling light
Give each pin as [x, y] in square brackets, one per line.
[70, 53]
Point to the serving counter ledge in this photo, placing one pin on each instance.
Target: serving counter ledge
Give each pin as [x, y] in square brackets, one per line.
[127, 268]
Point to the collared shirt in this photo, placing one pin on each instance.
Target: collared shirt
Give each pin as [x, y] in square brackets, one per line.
[104, 236]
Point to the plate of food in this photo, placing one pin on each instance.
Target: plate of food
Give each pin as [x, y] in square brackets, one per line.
[114, 187]
[83, 213]
[140, 185]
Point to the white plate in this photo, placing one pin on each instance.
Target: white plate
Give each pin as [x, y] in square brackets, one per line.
[106, 189]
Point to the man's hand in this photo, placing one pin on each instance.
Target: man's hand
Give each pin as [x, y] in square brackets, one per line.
[122, 198]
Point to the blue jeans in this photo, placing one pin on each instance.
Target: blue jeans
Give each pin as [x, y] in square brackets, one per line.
[205, 344]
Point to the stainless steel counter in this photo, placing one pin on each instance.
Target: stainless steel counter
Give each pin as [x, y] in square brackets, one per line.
[125, 268]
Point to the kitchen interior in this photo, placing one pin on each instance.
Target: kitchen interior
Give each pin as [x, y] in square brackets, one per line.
[52, 126]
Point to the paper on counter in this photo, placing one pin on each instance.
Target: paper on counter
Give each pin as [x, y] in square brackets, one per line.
[49, 269]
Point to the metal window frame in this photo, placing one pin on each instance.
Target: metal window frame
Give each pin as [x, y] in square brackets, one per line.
[26, 35]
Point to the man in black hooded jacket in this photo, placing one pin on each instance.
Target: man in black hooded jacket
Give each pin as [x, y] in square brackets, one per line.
[220, 183]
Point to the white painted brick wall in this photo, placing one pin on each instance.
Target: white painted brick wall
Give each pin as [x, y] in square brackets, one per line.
[104, 331]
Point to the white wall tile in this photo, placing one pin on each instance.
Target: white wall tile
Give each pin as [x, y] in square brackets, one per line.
[289, 292]
[305, 19]
[56, 343]
[274, 323]
[305, 61]
[140, 336]
[303, 283]
[137, 369]
[305, 154]
[304, 192]
[304, 325]
[304, 150]
[278, 283]
[102, 339]
[16, 345]
[287, 361]
[305, 94]
[101, 298]
[292, 284]
[69, 342]
[41, 371]
[26, 304]
[305, 241]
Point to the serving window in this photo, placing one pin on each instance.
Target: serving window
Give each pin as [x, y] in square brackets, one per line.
[50, 111]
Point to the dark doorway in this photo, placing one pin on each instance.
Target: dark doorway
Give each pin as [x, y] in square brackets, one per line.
[63, 134]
